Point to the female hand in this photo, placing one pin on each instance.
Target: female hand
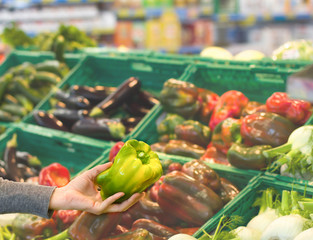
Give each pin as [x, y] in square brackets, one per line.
[81, 194]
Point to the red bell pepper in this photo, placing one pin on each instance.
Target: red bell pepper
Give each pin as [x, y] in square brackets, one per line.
[226, 133]
[65, 218]
[153, 191]
[202, 173]
[266, 129]
[114, 150]
[91, 226]
[179, 196]
[297, 111]
[155, 228]
[213, 155]
[146, 208]
[54, 175]
[230, 104]
[208, 101]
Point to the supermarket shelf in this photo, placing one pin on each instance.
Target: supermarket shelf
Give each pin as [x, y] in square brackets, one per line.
[25, 3]
[191, 13]
[147, 13]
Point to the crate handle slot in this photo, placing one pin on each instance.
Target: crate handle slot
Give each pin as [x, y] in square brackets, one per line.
[139, 66]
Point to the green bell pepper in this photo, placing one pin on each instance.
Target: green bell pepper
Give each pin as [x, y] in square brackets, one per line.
[135, 168]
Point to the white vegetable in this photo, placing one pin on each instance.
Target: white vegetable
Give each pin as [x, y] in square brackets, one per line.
[284, 228]
[245, 233]
[305, 235]
[261, 221]
[182, 236]
[7, 219]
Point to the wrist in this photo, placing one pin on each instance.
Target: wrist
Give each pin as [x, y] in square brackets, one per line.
[57, 200]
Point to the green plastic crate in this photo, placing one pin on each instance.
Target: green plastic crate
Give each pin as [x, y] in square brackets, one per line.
[18, 57]
[75, 154]
[256, 83]
[110, 51]
[266, 63]
[112, 71]
[242, 205]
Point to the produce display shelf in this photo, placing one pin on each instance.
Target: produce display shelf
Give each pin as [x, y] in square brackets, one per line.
[19, 56]
[256, 83]
[240, 178]
[74, 153]
[243, 204]
[111, 71]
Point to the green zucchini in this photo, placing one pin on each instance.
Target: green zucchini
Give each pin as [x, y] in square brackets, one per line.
[23, 87]
[25, 102]
[8, 98]
[45, 77]
[7, 117]
[4, 83]
[14, 109]
[52, 66]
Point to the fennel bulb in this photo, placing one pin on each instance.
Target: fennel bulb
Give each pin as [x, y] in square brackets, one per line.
[284, 228]
[182, 236]
[245, 233]
[261, 221]
[305, 235]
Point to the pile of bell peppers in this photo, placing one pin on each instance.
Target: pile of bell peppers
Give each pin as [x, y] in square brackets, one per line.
[170, 206]
[228, 129]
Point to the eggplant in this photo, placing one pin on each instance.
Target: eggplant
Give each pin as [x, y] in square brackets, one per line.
[72, 102]
[93, 94]
[135, 109]
[130, 123]
[102, 128]
[48, 120]
[68, 116]
[123, 93]
[9, 157]
[147, 99]
[27, 159]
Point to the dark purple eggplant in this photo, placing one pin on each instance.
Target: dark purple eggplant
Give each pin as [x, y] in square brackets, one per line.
[27, 171]
[93, 94]
[68, 116]
[72, 102]
[147, 99]
[130, 123]
[48, 120]
[27, 159]
[102, 128]
[9, 157]
[135, 109]
[123, 93]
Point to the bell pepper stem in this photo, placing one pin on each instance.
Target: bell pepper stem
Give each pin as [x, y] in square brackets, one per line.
[274, 152]
[60, 236]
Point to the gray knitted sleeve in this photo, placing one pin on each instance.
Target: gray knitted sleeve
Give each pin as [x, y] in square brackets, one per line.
[16, 197]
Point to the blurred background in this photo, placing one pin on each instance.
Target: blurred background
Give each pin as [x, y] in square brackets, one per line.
[175, 26]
